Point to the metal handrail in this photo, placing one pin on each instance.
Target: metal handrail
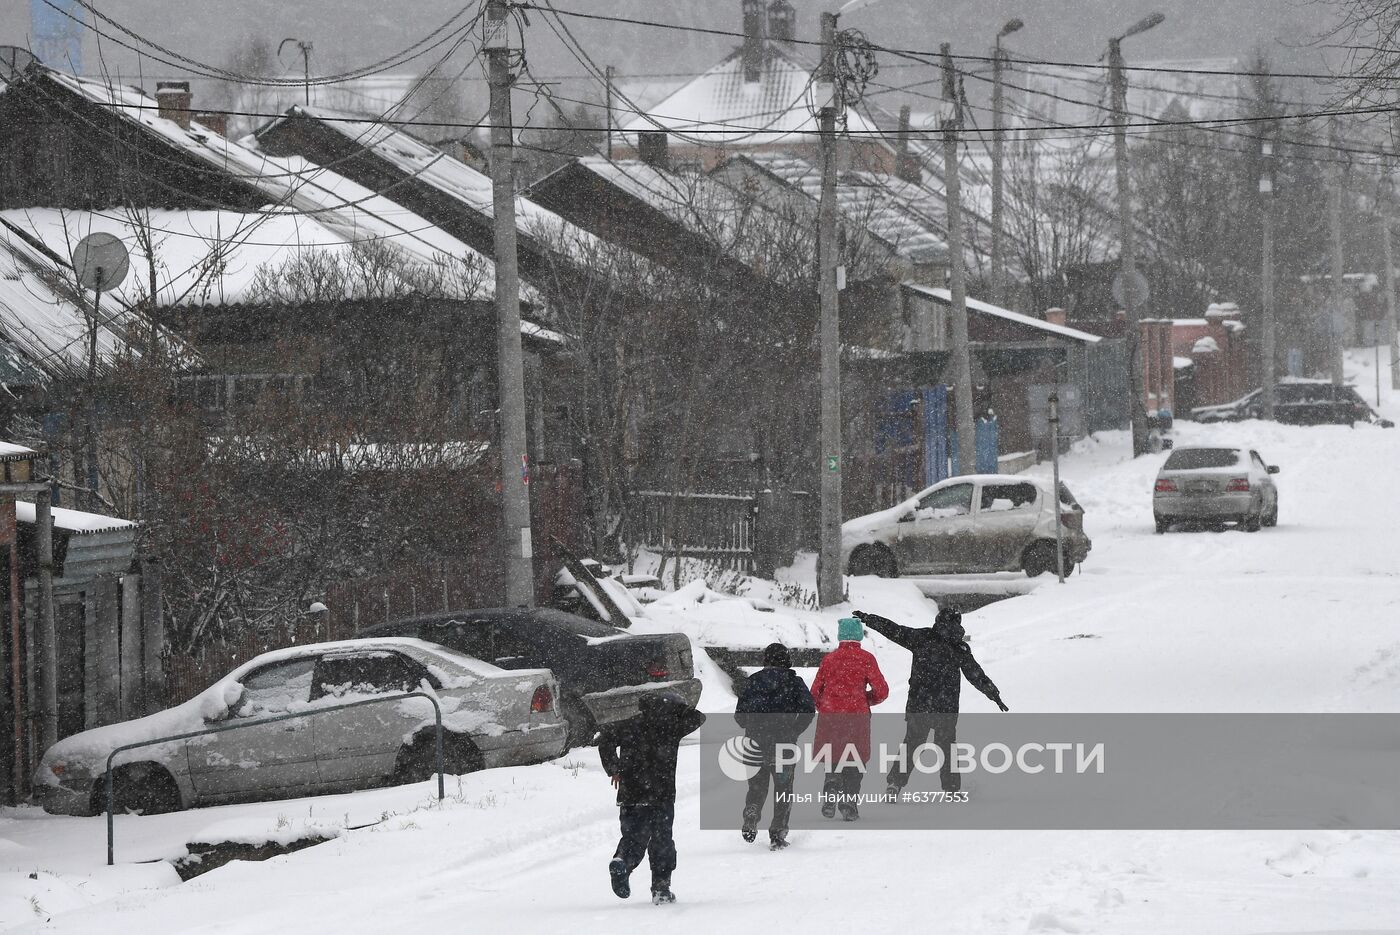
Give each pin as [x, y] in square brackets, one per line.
[437, 713]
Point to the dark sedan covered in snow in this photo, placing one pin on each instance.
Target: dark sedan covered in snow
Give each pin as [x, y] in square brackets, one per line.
[1298, 402]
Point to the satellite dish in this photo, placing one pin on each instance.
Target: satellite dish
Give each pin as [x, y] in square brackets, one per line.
[14, 61]
[1133, 282]
[101, 262]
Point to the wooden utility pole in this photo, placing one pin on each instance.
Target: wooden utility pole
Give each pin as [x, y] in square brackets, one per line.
[608, 82]
[829, 586]
[1394, 322]
[48, 636]
[515, 463]
[962, 361]
[998, 137]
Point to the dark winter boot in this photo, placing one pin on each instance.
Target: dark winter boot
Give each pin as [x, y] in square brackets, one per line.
[750, 826]
[849, 812]
[828, 809]
[777, 840]
[617, 870]
[661, 892]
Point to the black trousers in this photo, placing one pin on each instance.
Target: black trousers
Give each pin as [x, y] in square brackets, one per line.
[782, 781]
[646, 831]
[844, 782]
[917, 726]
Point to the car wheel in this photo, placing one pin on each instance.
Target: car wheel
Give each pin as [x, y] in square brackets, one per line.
[1251, 522]
[1039, 558]
[140, 788]
[1162, 524]
[1271, 519]
[872, 560]
[582, 727]
[417, 761]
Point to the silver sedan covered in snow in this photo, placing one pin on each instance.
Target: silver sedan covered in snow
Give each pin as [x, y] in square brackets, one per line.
[491, 717]
[1215, 484]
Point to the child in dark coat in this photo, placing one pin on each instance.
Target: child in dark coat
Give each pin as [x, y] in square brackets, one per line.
[639, 756]
[775, 707]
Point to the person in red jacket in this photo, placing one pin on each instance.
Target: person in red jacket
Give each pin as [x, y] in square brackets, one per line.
[847, 685]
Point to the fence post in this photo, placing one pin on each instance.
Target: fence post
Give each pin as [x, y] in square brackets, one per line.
[152, 635]
[132, 683]
[103, 609]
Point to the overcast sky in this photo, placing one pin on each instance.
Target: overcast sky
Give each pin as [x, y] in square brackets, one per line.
[347, 33]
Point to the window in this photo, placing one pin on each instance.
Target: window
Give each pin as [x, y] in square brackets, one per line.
[1258, 461]
[276, 688]
[1003, 498]
[1067, 498]
[364, 674]
[1192, 459]
[947, 501]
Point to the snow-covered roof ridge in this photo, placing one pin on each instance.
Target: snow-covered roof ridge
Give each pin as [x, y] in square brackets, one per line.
[986, 308]
[722, 108]
[75, 521]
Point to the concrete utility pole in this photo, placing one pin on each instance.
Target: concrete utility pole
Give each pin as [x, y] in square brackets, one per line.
[1334, 222]
[1268, 351]
[1394, 322]
[962, 361]
[515, 463]
[305, 48]
[998, 134]
[608, 82]
[1137, 407]
[47, 632]
[829, 586]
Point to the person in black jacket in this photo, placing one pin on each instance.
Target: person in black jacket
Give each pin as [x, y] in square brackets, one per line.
[941, 659]
[639, 756]
[775, 707]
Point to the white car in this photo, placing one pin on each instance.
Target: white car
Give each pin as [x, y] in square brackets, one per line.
[1216, 484]
[970, 524]
[491, 717]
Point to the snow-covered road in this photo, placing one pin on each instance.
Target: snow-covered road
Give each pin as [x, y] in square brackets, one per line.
[1305, 617]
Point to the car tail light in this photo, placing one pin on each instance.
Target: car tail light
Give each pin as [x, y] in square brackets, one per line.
[543, 701]
[58, 769]
[1237, 485]
[658, 670]
[1073, 519]
[1165, 485]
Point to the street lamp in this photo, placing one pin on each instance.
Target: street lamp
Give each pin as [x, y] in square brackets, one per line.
[1137, 408]
[998, 261]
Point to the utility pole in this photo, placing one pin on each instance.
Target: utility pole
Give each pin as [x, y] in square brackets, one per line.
[1132, 338]
[998, 133]
[829, 586]
[962, 361]
[1334, 220]
[608, 85]
[515, 462]
[1394, 322]
[1268, 351]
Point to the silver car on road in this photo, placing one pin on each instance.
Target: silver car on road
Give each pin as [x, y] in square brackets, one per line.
[1215, 484]
[491, 717]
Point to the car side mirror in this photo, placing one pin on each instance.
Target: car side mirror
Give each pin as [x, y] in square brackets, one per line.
[1273, 469]
[907, 517]
[1166, 444]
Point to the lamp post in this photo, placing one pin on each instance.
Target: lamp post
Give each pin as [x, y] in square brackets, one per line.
[998, 65]
[305, 48]
[1266, 208]
[1137, 409]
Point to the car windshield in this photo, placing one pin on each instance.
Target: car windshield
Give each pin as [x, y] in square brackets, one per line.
[1190, 459]
[590, 629]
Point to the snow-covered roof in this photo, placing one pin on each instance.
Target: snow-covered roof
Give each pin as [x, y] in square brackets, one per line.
[76, 521]
[718, 107]
[1182, 363]
[986, 308]
[291, 185]
[9, 451]
[879, 204]
[431, 166]
[43, 318]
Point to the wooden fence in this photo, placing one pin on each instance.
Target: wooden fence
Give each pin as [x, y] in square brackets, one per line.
[719, 527]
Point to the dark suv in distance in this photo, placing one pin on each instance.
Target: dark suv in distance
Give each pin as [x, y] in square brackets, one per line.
[602, 671]
[1298, 402]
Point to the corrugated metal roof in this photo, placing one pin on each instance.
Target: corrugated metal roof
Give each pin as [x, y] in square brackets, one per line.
[945, 296]
[74, 521]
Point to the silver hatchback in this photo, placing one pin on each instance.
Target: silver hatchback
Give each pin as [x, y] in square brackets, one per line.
[1215, 484]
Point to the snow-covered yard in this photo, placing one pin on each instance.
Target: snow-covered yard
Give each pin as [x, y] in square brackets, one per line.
[1304, 617]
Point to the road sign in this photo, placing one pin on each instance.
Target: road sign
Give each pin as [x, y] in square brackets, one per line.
[833, 463]
[1137, 282]
[101, 262]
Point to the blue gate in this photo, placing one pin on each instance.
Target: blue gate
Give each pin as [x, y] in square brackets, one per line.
[988, 441]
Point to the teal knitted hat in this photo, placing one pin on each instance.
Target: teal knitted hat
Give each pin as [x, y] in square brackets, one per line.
[849, 628]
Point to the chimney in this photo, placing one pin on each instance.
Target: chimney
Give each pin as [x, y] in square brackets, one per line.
[1056, 316]
[782, 22]
[753, 40]
[651, 147]
[216, 122]
[906, 167]
[174, 100]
